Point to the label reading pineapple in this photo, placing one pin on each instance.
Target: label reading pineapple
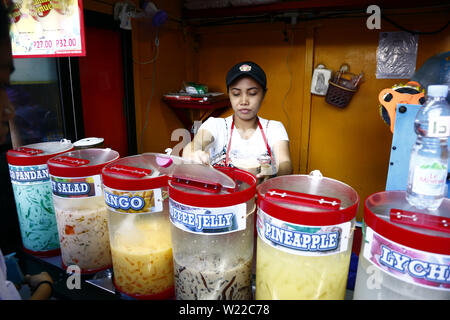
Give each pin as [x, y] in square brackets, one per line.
[143, 201]
[79, 187]
[304, 240]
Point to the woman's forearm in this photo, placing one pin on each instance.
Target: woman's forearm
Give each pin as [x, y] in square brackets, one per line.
[43, 292]
[284, 168]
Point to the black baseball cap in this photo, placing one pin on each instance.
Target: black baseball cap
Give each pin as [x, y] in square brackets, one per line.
[247, 68]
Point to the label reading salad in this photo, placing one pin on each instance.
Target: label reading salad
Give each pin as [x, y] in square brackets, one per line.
[144, 201]
[77, 187]
[208, 220]
[407, 264]
[302, 239]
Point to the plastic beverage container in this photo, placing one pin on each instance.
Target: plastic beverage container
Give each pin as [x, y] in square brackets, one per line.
[32, 188]
[138, 215]
[405, 252]
[305, 232]
[212, 215]
[80, 208]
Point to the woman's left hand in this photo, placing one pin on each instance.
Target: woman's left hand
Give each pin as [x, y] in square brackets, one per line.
[262, 177]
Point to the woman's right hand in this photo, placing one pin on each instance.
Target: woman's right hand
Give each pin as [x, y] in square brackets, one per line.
[200, 156]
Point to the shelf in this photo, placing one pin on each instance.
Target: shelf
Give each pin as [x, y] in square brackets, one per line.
[184, 109]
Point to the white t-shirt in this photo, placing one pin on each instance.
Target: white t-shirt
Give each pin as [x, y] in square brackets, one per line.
[7, 289]
[251, 149]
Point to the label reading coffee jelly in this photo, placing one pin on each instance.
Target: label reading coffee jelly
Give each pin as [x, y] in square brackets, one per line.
[77, 187]
[143, 201]
[302, 239]
[208, 220]
[407, 264]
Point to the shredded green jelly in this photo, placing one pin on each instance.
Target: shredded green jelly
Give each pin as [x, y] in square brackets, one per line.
[36, 216]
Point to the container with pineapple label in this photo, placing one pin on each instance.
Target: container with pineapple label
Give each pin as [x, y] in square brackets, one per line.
[32, 188]
[80, 208]
[139, 227]
[305, 233]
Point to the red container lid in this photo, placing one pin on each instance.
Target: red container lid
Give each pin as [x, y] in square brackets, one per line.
[37, 153]
[207, 187]
[141, 172]
[390, 215]
[310, 200]
[81, 163]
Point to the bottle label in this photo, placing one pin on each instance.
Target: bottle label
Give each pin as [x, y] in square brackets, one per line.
[439, 127]
[417, 267]
[302, 239]
[430, 179]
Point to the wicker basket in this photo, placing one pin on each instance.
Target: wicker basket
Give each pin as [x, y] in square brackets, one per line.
[339, 96]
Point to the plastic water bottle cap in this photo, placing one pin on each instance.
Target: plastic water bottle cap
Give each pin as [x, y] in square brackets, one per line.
[438, 90]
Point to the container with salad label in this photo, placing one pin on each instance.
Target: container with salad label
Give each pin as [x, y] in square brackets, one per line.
[80, 209]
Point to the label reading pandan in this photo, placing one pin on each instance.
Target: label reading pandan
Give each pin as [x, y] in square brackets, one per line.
[144, 201]
[77, 187]
[208, 220]
[28, 174]
[430, 179]
[302, 239]
[421, 268]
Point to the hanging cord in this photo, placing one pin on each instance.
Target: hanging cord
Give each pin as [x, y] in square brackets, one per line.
[156, 51]
[147, 111]
[290, 77]
[414, 32]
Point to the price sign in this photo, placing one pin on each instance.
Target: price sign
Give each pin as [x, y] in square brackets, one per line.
[47, 28]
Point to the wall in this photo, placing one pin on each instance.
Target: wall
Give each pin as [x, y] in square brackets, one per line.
[351, 144]
[157, 70]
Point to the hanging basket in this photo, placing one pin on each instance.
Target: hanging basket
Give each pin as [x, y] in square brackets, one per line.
[339, 96]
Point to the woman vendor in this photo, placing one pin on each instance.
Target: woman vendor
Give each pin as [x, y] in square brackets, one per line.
[244, 139]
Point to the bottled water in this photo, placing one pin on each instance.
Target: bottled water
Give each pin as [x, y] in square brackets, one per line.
[428, 166]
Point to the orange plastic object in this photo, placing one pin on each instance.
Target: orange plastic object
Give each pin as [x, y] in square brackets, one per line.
[397, 97]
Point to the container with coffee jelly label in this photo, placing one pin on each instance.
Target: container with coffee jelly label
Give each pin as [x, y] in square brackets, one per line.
[212, 215]
[139, 227]
[33, 195]
[405, 252]
[80, 208]
[305, 232]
